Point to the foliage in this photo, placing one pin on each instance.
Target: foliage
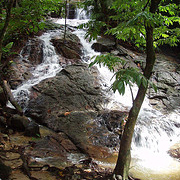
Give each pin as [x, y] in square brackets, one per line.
[100, 21]
[7, 49]
[108, 60]
[132, 23]
[131, 17]
[93, 28]
[146, 24]
[27, 16]
[123, 76]
[26, 19]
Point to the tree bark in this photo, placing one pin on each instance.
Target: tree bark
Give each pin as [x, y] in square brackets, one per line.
[124, 157]
[65, 25]
[2, 34]
[10, 97]
[6, 23]
[3, 84]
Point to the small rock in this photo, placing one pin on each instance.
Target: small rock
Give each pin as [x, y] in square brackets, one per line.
[103, 45]
[32, 130]
[18, 122]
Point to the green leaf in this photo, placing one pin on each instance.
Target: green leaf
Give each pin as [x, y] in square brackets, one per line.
[9, 45]
[144, 82]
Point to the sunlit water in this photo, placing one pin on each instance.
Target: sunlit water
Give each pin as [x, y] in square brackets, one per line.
[155, 132]
[48, 68]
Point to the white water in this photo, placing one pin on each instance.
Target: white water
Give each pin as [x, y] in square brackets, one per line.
[154, 133]
[48, 68]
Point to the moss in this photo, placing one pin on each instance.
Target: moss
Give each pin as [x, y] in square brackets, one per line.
[49, 25]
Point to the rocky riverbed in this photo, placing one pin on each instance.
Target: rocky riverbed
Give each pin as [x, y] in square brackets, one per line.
[65, 126]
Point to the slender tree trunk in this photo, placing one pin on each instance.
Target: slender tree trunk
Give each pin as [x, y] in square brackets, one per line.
[3, 83]
[65, 21]
[3, 30]
[124, 157]
[2, 34]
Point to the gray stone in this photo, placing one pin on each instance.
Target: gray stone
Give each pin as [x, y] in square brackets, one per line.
[32, 55]
[32, 130]
[103, 45]
[70, 47]
[68, 103]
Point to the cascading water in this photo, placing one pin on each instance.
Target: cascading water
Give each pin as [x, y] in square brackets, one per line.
[48, 68]
[81, 14]
[154, 133]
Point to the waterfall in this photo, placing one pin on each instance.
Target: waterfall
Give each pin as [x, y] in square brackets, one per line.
[81, 14]
[155, 132]
[48, 68]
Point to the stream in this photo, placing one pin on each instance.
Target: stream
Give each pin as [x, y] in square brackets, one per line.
[155, 132]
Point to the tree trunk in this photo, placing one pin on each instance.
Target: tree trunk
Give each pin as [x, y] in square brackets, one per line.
[2, 34]
[3, 83]
[65, 21]
[124, 157]
[6, 23]
[10, 97]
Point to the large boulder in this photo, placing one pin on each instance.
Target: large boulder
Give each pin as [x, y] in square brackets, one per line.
[69, 48]
[68, 102]
[166, 76]
[71, 103]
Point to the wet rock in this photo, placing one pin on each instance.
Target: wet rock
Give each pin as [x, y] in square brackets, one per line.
[175, 151]
[65, 61]
[107, 129]
[73, 89]
[70, 48]
[33, 51]
[18, 175]
[13, 160]
[18, 122]
[31, 56]
[72, 11]
[2, 121]
[32, 130]
[50, 25]
[68, 103]
[114, 119]
[121, 51]
[103, 45]
[167, 79]
[58, 143]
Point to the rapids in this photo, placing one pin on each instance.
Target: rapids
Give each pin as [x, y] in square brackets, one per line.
[155, 132]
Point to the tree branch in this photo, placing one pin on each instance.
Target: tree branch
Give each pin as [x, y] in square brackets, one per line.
[145, 6]
[3, 31]
[131, 94]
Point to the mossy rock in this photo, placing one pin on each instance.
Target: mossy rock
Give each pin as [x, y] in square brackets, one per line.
[49, 25]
